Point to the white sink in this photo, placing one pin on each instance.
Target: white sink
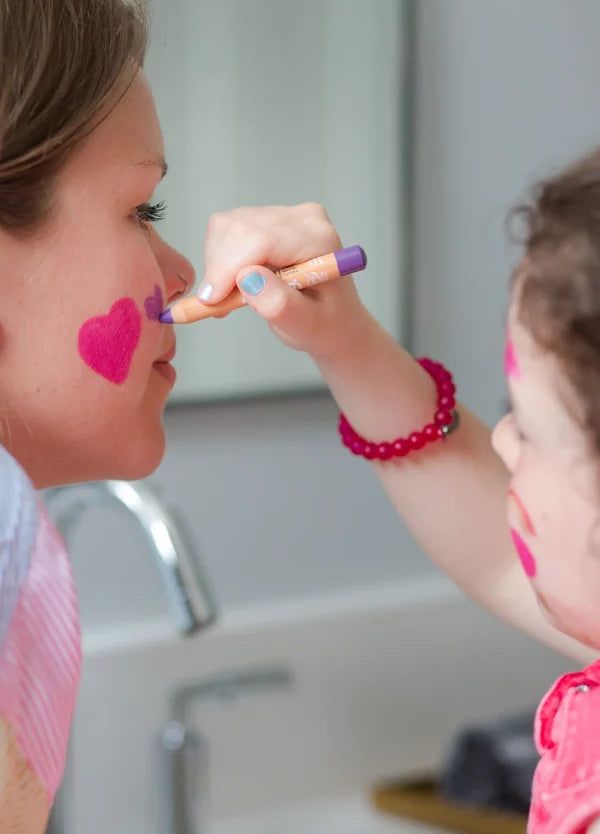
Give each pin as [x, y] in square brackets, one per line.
[379, 681]
[346, 815]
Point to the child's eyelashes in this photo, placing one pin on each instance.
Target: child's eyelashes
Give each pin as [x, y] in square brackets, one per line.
[509, 415]
[515, 428]
[150, 212]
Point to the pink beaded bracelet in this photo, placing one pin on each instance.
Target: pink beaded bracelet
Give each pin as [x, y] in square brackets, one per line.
[444, 422]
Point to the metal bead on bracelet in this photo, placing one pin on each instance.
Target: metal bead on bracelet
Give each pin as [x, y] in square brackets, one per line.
[445, 421]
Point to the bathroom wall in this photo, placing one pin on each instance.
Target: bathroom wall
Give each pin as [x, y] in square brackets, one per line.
[505, 91]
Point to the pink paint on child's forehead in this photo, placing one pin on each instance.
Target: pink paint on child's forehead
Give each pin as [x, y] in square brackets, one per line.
[511, 364]
[107, 343]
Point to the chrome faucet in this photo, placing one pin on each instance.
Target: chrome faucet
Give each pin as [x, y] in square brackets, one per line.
[188, 595]
[183, 752]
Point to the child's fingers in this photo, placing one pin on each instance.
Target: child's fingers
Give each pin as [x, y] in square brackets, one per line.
[275, 235]
[280, 305]
[321, 320]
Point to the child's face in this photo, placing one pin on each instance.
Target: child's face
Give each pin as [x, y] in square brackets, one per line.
[81, 393]
[554, 500]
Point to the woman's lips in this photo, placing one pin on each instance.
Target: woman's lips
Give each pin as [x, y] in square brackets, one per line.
[163, 366]
[169, 354]
[167, 371]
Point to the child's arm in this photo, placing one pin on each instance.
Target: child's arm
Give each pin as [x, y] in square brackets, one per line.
[451, 496]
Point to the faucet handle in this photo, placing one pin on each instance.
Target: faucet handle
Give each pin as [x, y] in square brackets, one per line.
[184, 753]
[182, 764]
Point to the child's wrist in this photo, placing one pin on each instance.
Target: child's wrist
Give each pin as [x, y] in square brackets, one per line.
[349, 344]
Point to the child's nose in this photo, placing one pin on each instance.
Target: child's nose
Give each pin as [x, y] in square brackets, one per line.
[504, 443]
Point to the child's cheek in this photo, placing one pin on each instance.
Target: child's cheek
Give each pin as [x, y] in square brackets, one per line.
[524, 522]
[511, 365]
[524, 554]
[108, 342]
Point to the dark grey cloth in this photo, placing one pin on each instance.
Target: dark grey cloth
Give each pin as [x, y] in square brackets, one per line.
[492, 765]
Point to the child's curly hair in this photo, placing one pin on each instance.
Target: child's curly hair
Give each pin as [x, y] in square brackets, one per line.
[559, 288]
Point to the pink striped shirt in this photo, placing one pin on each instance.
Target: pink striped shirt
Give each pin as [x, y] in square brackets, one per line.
[40, 652]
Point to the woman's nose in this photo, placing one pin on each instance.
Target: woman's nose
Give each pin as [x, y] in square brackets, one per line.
[179, 274]
[179, 278]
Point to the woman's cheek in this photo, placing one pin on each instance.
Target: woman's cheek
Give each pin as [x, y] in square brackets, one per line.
[107, 342]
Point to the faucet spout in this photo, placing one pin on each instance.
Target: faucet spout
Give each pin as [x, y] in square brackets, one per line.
[188, 594]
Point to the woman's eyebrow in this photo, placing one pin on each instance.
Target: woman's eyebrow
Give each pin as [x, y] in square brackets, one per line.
[158, 162]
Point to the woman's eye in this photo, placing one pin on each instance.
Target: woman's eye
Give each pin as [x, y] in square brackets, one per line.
[150, 213]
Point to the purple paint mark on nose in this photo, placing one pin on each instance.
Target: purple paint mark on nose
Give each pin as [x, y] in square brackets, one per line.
[153, 305]
[525, 554]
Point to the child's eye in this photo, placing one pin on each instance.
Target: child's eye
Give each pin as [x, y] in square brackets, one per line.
[515, 428]
[511, 423]
[150, 213]
[510, 415]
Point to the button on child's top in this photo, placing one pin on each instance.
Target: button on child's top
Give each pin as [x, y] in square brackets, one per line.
[566, 785]
[40, 654]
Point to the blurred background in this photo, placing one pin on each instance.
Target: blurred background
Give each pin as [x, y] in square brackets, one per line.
[418, 124]
[422, 124]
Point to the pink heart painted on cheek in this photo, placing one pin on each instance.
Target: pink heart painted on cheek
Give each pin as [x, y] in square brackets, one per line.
[107, 343]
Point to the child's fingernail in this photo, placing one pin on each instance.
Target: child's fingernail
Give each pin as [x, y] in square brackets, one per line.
[204, 291]
[253, 283]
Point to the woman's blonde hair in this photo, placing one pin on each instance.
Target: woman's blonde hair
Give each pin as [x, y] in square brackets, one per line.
[63, 65]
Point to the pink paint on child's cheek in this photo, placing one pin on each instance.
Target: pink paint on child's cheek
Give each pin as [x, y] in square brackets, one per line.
[525, 554]
[107, 343]
[511, 366]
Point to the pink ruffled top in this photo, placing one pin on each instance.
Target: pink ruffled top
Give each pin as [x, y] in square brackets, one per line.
[40, 654]
[566, 786]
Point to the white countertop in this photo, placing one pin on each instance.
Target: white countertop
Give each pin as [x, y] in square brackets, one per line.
[345, 815]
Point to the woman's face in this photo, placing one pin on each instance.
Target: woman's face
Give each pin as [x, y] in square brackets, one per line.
[83, 383]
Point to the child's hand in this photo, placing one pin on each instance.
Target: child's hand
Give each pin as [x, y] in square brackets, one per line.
[325, 321]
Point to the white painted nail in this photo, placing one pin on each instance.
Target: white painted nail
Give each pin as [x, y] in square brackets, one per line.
[205, 292]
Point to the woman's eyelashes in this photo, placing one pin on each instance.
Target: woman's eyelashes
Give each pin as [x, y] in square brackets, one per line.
[150, 213]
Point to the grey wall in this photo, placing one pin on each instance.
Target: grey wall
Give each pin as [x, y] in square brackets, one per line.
[276, 505]
[505, 90]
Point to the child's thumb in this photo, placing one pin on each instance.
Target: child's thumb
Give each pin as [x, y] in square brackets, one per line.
[268, 294]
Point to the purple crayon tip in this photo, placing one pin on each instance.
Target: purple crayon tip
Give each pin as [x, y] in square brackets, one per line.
[352, 259]
[166, 316]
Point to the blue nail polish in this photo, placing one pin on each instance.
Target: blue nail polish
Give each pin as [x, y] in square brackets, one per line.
[253, 283]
